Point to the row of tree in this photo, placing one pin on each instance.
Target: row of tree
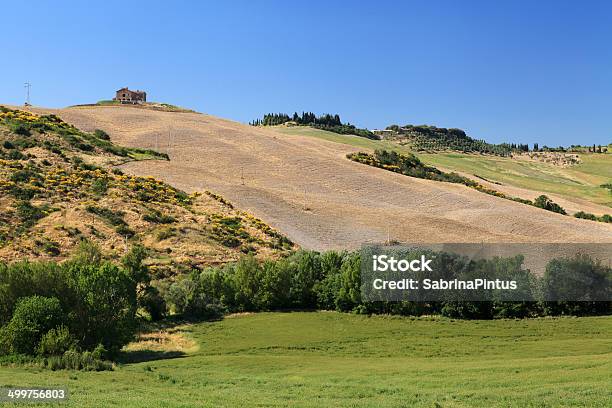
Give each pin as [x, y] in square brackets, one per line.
[306, 118]
[426, 137]
[87, 309]
[331, 123]
[332, 281]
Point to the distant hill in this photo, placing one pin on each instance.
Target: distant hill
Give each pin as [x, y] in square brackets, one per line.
[432, 138]
[59, 186]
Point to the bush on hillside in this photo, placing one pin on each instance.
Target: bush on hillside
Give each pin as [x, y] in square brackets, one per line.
[547, 204]
[100, 134]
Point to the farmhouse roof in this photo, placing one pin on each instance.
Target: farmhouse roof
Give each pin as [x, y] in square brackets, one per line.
[127, 89]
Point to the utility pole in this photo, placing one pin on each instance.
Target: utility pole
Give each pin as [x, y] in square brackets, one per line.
[242, 175]
[169, 133]
[27, 86]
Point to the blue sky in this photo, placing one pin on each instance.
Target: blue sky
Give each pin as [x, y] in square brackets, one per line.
[517, 71]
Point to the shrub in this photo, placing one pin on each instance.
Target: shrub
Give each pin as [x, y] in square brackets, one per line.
[29, 214]
[20, 129]
[585, 215]
[87, 253]
[51, 247]
[16, 155]
[8, 145]
[124, 231]
[547, 204]
[56, 342]
[73, 360]
[33, 317]
[114, 218]
[99, 186]
[588, 216]
[100, 134]
[156, 217]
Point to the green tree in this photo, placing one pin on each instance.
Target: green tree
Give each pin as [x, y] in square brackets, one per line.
[33, 317]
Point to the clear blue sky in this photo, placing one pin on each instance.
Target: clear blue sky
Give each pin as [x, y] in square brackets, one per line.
[518, 71]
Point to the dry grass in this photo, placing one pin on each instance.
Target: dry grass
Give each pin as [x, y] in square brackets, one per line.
[76, 201]
[175, 339]
[275, 176]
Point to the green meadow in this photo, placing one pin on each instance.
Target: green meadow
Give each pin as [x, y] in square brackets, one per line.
[583, 180]
[351, 140]
[580, 181]
[333, 359]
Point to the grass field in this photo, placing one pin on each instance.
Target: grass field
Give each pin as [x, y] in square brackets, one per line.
[580, 181]
[332, 359]
[356, 141]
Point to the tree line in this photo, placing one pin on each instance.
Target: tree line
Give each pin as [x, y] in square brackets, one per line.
[331, 123]
[79, 314]
[332, 281]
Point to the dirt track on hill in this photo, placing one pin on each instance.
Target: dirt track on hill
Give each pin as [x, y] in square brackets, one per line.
[306, 188]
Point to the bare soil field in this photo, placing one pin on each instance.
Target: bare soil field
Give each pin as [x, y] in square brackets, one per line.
[306, 188]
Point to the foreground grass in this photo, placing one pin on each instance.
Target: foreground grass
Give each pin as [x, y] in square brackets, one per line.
[332, 359]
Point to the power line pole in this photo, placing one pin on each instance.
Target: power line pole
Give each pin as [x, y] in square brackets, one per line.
[169, 134]
[27, 86]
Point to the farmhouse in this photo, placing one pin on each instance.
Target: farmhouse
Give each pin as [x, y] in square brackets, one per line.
[124, 95]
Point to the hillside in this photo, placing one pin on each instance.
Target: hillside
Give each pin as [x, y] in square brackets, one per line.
[578, 187]
[307, 189]
[432, 138]
[60, 185]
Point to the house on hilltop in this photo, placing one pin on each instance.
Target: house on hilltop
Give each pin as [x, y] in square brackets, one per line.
[124, 95]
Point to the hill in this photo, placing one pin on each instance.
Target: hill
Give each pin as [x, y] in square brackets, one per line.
[307, 189]
[577, 187]
[60, 185]
[335, 359]
[432, 138]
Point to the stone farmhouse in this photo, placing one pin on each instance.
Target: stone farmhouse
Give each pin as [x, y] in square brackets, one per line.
[124, 95]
